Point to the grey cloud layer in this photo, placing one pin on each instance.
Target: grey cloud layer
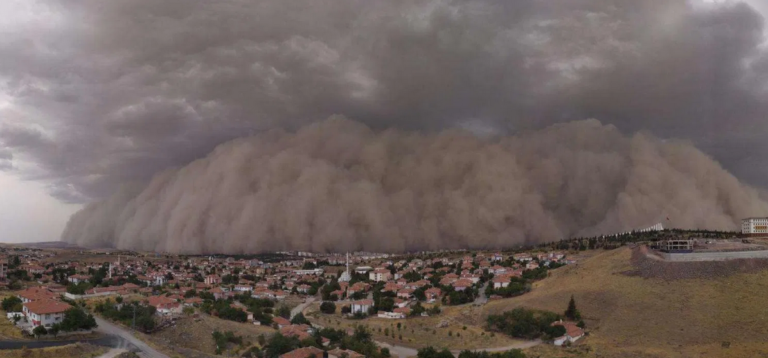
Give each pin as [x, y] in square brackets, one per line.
[338, 186]
[107, 93]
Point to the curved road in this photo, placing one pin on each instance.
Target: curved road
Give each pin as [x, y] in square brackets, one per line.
[109, 328]
[300, 308]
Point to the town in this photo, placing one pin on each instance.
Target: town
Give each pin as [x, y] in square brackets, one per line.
[542, 300]
[313, 302]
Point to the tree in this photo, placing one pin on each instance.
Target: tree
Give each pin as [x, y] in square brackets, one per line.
[39, 331]
[300, 319]
[11, 303]
[284, 311]
[280, 344]
[76, 318]
[119, 299]
[54, 330]
[572, 313]
[328, 307]
[430, 352]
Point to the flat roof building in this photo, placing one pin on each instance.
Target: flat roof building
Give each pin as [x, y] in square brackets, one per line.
[754, 226]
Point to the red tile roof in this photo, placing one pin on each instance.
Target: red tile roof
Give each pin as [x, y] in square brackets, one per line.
[46, 306]
[305, 352]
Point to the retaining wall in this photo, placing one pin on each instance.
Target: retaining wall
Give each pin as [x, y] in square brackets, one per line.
[715, 256]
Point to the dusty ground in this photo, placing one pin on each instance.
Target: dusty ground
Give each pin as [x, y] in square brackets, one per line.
[196, 335]
[78, 350]
[422, 331]
[712, 315]
[7, 330]
[631, 316]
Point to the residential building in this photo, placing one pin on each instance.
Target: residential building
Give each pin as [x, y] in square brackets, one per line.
[3, 268]
[212, 280]
[572, 332]
[306, 352]
[755, 226]
[35, 294]
[361, 306]
[78, 278]
[380, 274]
[501, 281]
[45, 312]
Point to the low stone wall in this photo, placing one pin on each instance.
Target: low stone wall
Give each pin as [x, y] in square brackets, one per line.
[77, 297]
[715, 256]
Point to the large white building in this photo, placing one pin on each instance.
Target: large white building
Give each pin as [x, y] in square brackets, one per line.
[45, 312]
[752, 226]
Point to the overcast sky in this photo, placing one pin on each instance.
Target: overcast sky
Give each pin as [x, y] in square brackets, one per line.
[95, 95]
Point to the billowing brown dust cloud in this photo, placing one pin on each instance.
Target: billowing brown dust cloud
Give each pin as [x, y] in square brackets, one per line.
[338, 185]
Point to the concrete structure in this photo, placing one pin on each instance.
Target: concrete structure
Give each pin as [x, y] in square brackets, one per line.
[754, 226]
[363, 269]
[677, 246]
[3, 268]
[317, 272]
[715, 256]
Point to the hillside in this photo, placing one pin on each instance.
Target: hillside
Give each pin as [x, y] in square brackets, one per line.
[630, 316]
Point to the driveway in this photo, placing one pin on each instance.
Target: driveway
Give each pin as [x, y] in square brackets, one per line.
[109, 328]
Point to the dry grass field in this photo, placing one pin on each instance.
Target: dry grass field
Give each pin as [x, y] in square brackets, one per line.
[7, 329]
[196, 335]
[78, 350]
[626, 316]
[645, 317]
[445, 330]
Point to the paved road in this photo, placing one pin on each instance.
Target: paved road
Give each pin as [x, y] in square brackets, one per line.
[106, 341]
[300, 308]
[113, 329]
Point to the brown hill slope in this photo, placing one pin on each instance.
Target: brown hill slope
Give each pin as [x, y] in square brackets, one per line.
[630, 316]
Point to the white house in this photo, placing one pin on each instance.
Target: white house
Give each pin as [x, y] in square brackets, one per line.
[45, 312]
[572, 333]
[243, 288]
[361, 306]
[78, 278]
[317, 272]
[380, 274]
[160, 280]
[500, 281]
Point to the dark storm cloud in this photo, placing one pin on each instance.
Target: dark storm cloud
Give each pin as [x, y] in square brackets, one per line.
[109, 93]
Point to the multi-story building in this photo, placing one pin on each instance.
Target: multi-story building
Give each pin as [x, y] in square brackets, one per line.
[380, 274]
[45, 312]
[754, 226]
[3, 268]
